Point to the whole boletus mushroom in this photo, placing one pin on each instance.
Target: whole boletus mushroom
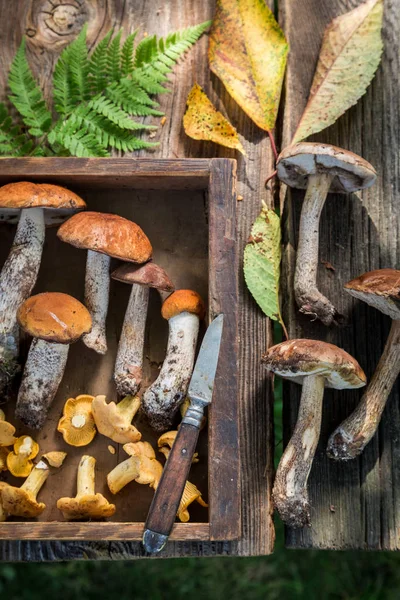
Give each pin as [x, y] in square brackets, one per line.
[55, 321]
[315, 365]
[380, 289]
[183, 309]
[320, 169]
[104, 236]
[129, 361]
[32, 206]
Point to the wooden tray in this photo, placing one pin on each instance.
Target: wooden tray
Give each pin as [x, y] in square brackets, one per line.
[187, 208]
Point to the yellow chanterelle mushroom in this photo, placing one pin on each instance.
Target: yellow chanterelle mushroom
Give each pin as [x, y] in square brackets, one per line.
[55, 458]
[77, 423]
[6, 431]
[115, 420]
[86, 504]
[19, 462]
[22, 502]
[142, 467]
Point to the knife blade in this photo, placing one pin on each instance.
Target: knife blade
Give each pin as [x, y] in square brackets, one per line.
[163, 509]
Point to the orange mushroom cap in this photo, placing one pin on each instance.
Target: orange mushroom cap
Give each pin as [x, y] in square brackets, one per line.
[77, 423]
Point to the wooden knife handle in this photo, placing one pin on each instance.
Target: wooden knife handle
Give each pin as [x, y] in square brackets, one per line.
[164, 506]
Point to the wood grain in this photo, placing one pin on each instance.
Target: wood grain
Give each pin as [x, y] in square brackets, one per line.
[356, 504]
[256, 446]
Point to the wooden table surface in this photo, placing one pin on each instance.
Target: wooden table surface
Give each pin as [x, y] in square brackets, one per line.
[357, 237]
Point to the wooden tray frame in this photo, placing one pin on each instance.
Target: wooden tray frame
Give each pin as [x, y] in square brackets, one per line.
[218, 178]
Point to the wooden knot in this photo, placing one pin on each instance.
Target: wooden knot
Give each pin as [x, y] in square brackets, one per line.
[52, 24]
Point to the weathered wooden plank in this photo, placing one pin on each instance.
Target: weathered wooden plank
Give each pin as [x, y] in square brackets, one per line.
[254, 332]
[355, 505]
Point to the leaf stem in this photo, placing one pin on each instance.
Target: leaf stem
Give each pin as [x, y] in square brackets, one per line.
[273, 145]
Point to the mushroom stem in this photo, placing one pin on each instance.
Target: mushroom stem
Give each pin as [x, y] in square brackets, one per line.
[97, 287]
[17, 278]
[308, 297]
[350, 438]
[290, 486]
[123, 474]
[129, 361]
[162, 399]
[43, 373]
[36, 479]
[85, 479]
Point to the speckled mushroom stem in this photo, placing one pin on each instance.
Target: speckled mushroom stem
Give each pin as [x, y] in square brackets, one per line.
[86, 477]
[43, 372]
[308, 297]
[163, 398]
[97, 288]
[36, 479]
[350, 438]
[17, 279]
[129, 361]
[290, 487]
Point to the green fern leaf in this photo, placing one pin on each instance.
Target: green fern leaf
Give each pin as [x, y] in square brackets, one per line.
[114, 58]
[78, 142]
[12, 141]
[26, 96]
[127, 65]
[130, 103]
[156, 58]
[107, 108]
[79, 66]
[98, 65]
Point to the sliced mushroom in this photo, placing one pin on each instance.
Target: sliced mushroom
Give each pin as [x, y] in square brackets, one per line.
[86, 504]
[320, 169]
[129, 362]
[54, 320]
[380, 289]
[77, 423]
[19, 462]
[115, 420]
[22, 502]
[183, 309]
[314, 365]
[32, 206]
[103, 236]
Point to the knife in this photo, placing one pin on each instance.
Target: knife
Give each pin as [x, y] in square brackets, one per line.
[163, 509]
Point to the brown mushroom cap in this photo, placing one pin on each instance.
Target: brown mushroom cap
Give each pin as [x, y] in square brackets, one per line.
[296, 359]
[150, 275]
[380, 289]
[25, 194]
[54, 317]
[183, 301]
[108, 234]
[58, 201]
[92, 506]
[351, 172]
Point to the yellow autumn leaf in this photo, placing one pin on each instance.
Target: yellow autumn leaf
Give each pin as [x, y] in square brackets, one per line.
[248, 53]
[350, 54]
[202, 121]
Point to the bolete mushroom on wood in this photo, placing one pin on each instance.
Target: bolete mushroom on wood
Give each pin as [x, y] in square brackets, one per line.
[103, 236]
[320, 169]
[55, 321]
[129, 361]
[380, 289]
[86, 504]
[32, 206]
[314, 365]
[183, 309]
